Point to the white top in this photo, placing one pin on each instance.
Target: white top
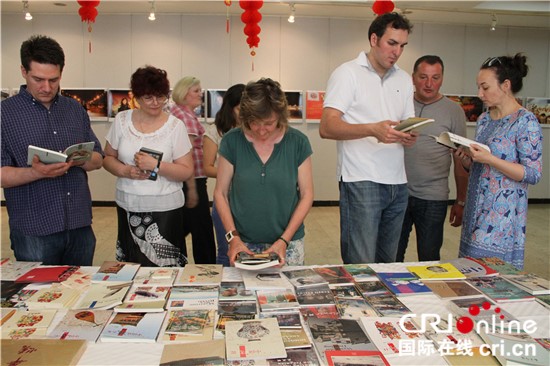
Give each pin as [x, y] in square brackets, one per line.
[212, 134]
[356, 90]
[148, 195]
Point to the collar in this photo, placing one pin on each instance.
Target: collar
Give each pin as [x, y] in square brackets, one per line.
[363, 60]
[28, 96]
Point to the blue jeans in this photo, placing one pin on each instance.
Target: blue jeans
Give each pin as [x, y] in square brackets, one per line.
[223, 247]
[428, 218]
[71, 247]
[371, 215]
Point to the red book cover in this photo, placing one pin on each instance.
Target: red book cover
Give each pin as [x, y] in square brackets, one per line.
[48, 274]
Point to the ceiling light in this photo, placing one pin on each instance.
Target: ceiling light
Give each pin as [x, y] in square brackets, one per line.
[493, 22]
[152, 13]
[291, 17]
[28, 15]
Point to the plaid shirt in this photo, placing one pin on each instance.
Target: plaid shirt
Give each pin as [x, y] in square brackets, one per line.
[46, 206]
[195, 131]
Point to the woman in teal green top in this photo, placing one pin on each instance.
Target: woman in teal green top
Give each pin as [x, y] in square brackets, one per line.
[264, 187]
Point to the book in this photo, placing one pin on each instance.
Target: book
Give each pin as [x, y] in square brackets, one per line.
[18, 300]
[295, 338]
[270, 300]
[235, 291]
[360, 272]
[229, 317]
[403, 283]
[200, 274]
[132, 327]
[352, 358]
[304, 277]
[533, 284]
[508, 344]
[502, 267]
[387, 305]
[315, 295]
[372, 288]
[486, 306]
[41, 352]
[338, 334]
[77, 152]
[79, 280]
[155, 276]
[319, 311]
[116, 271]
[335, 275]
[412, 124]
[500, 290]
[386, 333]
[476, 358]
[81, 324]
[264, 280]
[237, 307]
[447, 338]
[143, 298]
[153, 174]
[103, 295]
[256, 261]
[47, 274]
[22, 319]
[286, 319]
[53, 297]
[544, 300]
[454, 141]
[205, 334]
[211, 353]
[10, 270]
[346, 291]
[350, 308]
[443, 271]
[452, 289]
[198, 296]
[189, 322]
[24, 333]
[296, 357]
[253, 340]
[472, 268]
[9, 289]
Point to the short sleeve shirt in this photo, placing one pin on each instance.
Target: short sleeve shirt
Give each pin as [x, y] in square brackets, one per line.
[195, 129]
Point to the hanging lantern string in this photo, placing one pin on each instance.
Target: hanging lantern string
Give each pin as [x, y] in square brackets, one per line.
[88, 13]
[227, 5]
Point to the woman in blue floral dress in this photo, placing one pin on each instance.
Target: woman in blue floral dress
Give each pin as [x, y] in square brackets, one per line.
[495, 215]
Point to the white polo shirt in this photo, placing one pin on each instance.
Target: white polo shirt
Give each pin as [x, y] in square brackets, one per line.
[356, 90]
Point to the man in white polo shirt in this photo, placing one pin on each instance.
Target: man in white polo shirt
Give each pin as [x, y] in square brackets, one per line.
[365, 98]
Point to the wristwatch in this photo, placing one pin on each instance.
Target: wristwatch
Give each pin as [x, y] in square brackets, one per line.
[460, 203]
[230, 235]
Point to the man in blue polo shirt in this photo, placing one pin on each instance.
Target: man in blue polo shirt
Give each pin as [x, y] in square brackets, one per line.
[49, 205]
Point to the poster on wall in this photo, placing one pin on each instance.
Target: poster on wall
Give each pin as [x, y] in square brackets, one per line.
[295, 106]
[121, 100]
[94, 101]
[214, 100]
[314, 105]
[472, 106]
[540, 108]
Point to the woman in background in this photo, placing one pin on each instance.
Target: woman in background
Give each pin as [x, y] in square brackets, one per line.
[226, 119]
[187, 95]
[149, 211]
[495, 215]
[264, 186]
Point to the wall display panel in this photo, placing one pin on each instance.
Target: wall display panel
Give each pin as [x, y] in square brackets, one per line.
[540, 108]
[214, 100]
[121, 100]
[94, 101]
[472, 106]
[314, 105]
[295, 102]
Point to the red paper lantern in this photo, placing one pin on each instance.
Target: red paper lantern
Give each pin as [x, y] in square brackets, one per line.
[88, 13]
[382, 7]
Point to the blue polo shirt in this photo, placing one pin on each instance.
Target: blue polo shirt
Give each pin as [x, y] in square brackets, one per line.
[46, 206]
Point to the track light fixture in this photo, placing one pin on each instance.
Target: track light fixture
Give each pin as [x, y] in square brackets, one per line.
[152, 12]
[493, 22]
[291, 17]
[28, 15]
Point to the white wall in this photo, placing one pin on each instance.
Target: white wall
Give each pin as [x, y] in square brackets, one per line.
[301, 56]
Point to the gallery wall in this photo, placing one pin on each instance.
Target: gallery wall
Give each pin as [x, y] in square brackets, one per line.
[300, 56]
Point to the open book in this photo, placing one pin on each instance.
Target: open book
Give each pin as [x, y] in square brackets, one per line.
[412, 124]
[77, 152]
[256, 261]
[454, 141]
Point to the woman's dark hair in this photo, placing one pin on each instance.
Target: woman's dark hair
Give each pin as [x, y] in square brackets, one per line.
[225, 118]
[260, 100]
[42, 49]
[149, 80]
[509, 68]
[381, 22]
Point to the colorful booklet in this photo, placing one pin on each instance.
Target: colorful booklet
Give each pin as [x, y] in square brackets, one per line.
[335, 275]
[133, 327]
[272, 300]
[42, 352]
[472, 268]
[200, 274]
[253, 340]
[264, 280]
[116, 271]
[53, 297]
[531, 283]
[305, 277]
[155, 276]
[77, 152]
[47, 274]
[374, 358]
[103, 295]
[452, 289]
[443, 271]
[500, 290]
[403, 283]
[10, 270]
[81, 324]
[315, 295]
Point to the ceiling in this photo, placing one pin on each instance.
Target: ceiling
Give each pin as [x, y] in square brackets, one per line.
[532, 14]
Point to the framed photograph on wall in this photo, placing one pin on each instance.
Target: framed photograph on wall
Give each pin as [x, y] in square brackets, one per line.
[214, 100]
[314, 105]
[540, 108]
[93, 100]
[295, 106]
[121, 100]
[472, 106]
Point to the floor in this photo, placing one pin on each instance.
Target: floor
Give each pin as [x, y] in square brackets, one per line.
[323, 238]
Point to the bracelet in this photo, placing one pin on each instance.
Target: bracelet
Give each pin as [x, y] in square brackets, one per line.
[284, 241]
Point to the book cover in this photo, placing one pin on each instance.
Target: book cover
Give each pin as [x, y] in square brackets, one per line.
[81, 324]
[412, 124]
[335, 275]
[235, 291]
[256, 261]
[544, 300]
[500, 290]
[533, 284]
[403, 283]
[461, 307]
[207, 353]
[508, 344]
[132, 327]
[9, 289]
[372, 288]
[155, 276]
[53, 297]
[22, 319]
[305, 277]
[229, 317]
[103, 295]
[77, 152]
[47, 274]
[285, 319]
[10, 270]
[322, 312]
[254, 339]
[296, 357]
[264, 280]
[497, 264]
[388, 305]
[446, 341]
[345, 291]
[24, 333]
[386, 333]
[18, 301]
[200, 274]
[197, 296]
[454, 141]
[237, 307]
[153, 175]
[116, 271]
[458, 358]
[41, 352]
[270, 300]
[315, 295]
[443, 271]
[452, 289]
[353, 308]
[338, 334]
[190, 322]
[79, 280]
[206, 334]
[295, 338]
[352, 358]
[472, 268]
[360, 272]
[144, 298]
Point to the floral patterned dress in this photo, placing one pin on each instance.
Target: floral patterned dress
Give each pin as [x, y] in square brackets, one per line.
[495, 215]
